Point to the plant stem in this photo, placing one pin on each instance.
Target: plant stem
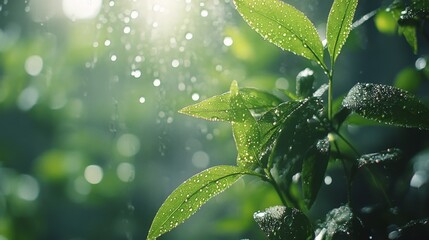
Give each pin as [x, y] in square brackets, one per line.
[330, 95]
[276, 187]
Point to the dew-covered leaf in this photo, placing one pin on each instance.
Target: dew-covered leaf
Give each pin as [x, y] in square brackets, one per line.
[218, 108]
[313, 170]
[283, 25]
[257, 101]
[339, 25]
[340, 223]
[388, 105]
[245, 131]
[321, 90]
[280, 222]
[191, 195]
[304, 83]
[300, 130]
[391, 154]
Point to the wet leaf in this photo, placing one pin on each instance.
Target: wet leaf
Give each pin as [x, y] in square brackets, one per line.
[391, 154]
[339, 25]
[300, 130]
[313, 170]
[191, 195]
[388, 105]
[289, 120]
[218, 108]
[282, 25]
[340, 223]
[245, 131]
[304, 83]
[281, 222]
[321, 90]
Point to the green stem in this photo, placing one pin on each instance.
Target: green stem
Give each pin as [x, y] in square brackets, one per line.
[273, 182]
[330, 95]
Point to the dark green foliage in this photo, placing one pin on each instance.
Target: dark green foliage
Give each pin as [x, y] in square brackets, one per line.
[285, 141]
[280, 222]
[388, 105]
[340, 223]
[313, 170]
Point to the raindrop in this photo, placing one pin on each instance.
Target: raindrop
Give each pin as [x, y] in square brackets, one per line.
[93, 174]
[175, 63]
[113, 58]
[127, 29]
[195, 97]
[134, 14]
[204, 13]
[227, 41]
[28, 98]
[138, 59]
[136, 73]
[328, 180]
[125, 172]
[128, 145]
[27, 188]
[189, 36]
[107, 43]
[420, 63]
[181, 87]
[142, 99]
[200, 159]
[33, 65]
[156, 82]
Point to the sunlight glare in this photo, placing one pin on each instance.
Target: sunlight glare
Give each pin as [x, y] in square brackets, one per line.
[81, 9]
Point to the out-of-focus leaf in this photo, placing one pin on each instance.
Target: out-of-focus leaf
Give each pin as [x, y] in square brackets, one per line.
[313, 170]
[284, 26]
[340, 223]
[388, 105]
[304, 83]
[339, 25]
[385, 22]
[408, 79]
[409, 33]
[281, 222]
[391, 154]
[191, 195]
[218, 108]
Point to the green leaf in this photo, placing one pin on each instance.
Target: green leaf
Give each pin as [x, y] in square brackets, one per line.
[391, 154]
[388, 105]
[284, 26]
[218, 108]
[340, 223]
[313, 170]
[191, 195]
[339, 25]
[281, 222]
[304, 83]
[300, 130]
[409, 33]
[245, 131]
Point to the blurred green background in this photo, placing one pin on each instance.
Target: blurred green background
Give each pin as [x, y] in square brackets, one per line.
[90, 139]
